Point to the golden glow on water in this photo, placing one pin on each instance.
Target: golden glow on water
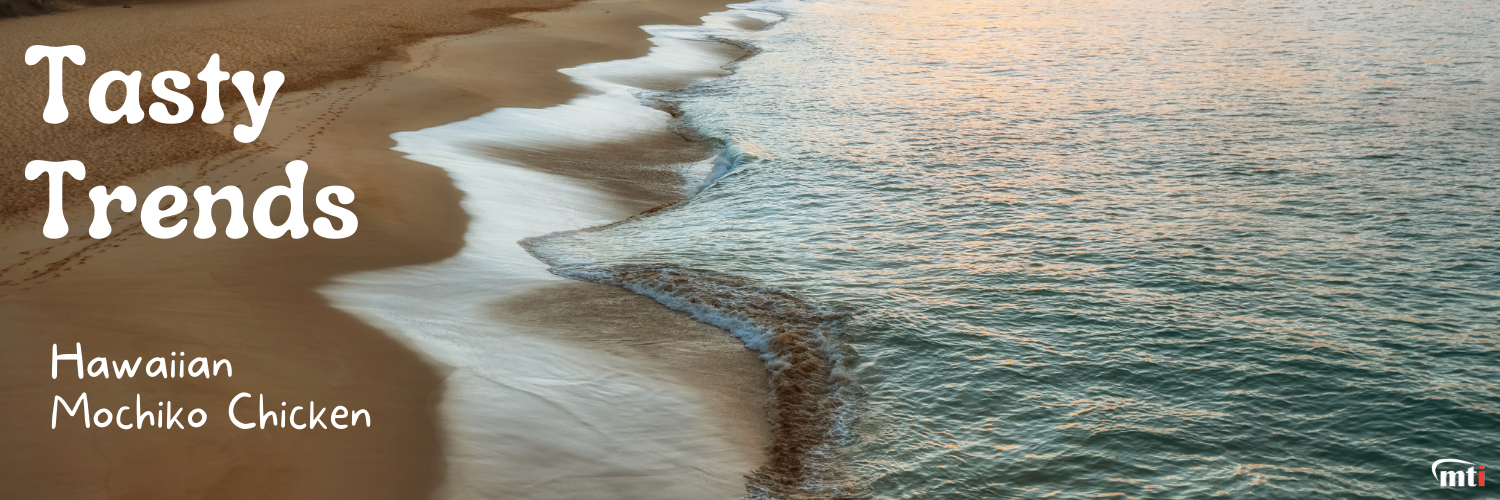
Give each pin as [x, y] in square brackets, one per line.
[1100, 248]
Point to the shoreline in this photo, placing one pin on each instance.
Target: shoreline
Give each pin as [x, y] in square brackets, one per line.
[678, 405]
[253, 300]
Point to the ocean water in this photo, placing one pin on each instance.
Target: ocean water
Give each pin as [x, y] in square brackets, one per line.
[525, 416]
[1160, 248]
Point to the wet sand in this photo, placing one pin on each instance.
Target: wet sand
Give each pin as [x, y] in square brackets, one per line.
[254, 301]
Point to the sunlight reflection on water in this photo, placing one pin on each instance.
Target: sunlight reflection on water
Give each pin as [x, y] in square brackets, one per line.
[1168, 248]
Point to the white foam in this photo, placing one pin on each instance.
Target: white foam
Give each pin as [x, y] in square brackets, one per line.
[524, 416]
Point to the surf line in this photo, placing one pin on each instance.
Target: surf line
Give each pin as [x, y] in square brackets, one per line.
[811, 388]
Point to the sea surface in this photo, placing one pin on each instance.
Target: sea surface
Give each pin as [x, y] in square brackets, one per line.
[1150, 249]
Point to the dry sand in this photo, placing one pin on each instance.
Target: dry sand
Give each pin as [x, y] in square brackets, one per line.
[252, 301]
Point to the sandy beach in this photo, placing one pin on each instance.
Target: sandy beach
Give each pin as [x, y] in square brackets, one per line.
[778, 249]
[356, 73]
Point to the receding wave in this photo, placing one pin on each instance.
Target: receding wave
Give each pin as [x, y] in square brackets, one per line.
[810, 387]
[731, 158]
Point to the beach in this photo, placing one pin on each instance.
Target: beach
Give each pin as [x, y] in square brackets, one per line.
[1159, 249]
[783, 249]
[356, 74]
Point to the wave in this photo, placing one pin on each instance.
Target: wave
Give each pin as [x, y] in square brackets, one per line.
[812, 393]
[811, 389]
[731, 158]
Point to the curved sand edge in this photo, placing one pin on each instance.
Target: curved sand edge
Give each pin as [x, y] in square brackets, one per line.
[251, 300]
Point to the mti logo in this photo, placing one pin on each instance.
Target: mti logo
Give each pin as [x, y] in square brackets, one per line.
[1460, 477]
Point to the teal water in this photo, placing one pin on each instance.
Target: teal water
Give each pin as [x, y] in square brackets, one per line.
[1160, 249]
